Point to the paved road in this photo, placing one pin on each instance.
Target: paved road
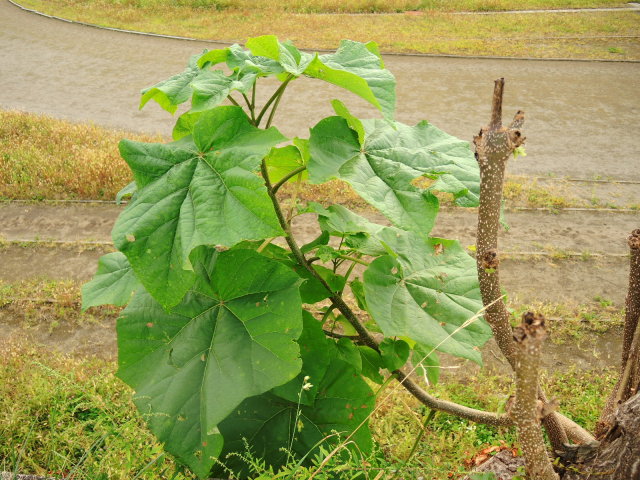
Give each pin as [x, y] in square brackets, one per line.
[581, 115]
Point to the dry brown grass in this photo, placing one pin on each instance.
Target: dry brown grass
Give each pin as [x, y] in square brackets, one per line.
[45, 158]
[42, 158]
[583, 35]
[352, 6]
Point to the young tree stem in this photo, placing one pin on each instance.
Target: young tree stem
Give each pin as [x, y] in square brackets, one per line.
[529, 338]
[627, 383]
[494, 144]
[366, 337]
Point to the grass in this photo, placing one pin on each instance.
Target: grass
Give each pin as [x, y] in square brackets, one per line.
[521, 191]
[432, 29]
[358, 6]
[576, 323]
[41, 157]
[62, 414]
[45, 158]
[49, 305]
[71, 416]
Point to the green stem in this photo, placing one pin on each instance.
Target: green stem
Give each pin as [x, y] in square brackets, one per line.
[355, 260]
[253, 96]
[275, 106]
[287, 177]
[265, 244]
[299, 256]
[250, 107]
[275, 97]
[233, 100]
[382, 387]
[347, 275]
[327, 313]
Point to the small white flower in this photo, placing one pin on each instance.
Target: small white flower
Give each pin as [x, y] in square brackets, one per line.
[307, 386]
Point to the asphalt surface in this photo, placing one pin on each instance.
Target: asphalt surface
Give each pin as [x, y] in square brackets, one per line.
[581, 115]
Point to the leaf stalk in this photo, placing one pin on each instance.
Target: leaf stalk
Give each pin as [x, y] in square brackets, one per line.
[276, 186]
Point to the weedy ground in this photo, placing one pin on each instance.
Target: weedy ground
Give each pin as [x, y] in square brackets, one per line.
[48, 304]
[427, 26]
[71, 416]
[46, 158]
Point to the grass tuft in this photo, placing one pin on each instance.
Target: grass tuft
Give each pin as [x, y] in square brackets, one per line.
[64, 416]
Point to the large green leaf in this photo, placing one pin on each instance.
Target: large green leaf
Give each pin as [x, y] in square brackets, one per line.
[286, 54]
[358, 67]
[383, 168]
[206, 88]
[175, 90]
[200, 190]
[210, 89]
[426, 293]
[113, 284]
[232, 337]
[339, 401]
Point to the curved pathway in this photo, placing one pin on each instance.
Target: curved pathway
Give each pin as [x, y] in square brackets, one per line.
[581, 115]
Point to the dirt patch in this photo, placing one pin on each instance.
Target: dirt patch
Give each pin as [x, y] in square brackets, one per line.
[577, 231]
[56, 262]
[93, 339]
[64, 222]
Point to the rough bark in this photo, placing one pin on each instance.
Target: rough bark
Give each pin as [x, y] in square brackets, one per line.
[494, 145]
[629, 379]
[618, 455]
[526, 411]
[632, 303]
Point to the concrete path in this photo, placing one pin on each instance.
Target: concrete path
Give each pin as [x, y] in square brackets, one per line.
[581, 115]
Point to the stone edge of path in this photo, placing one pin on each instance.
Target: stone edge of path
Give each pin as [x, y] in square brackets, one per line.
[426, 55]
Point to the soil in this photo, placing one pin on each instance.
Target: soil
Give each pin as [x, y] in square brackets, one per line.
[578, 112]
[589, 231]
[527, 278]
